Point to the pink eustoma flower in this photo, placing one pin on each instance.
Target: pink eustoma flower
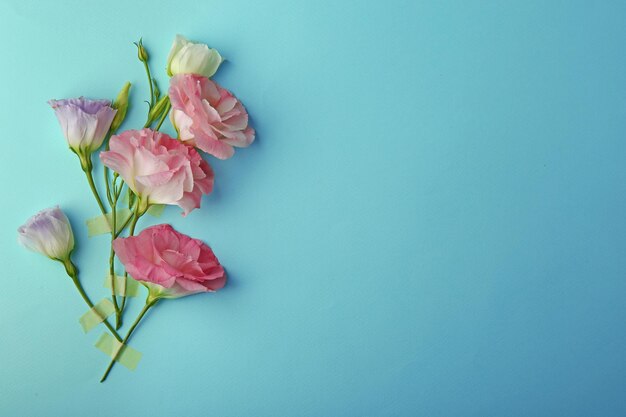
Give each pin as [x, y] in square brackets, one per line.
[170, 263]
[159, 169]
[208, 116]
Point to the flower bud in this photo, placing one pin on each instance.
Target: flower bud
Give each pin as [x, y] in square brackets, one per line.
[48, 232]
[157, 92]
[121, 105]
[142, 54]
[158, 109]
[192, 58]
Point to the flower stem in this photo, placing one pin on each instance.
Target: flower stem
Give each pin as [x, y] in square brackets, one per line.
[125, 288]
[119, 308]
[114, 233]
[133, 224]
[147, 67]
[105, 171]
[118, 311]
[143, 312]
[71, 270]
[94, 190]
[167, 110]
[123, 226]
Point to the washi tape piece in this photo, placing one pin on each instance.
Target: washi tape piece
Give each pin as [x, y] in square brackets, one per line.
[110, 346]
[96, 315]
[156, 210]
[102, 224]
[131, 289]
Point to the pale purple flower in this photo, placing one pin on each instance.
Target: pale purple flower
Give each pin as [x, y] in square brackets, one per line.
[48, 232]
[84, 122]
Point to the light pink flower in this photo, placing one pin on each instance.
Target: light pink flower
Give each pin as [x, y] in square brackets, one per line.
[159, 169]
[170, 263]
[208, 116]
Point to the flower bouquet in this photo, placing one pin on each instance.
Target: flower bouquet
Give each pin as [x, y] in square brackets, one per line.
[144, 170]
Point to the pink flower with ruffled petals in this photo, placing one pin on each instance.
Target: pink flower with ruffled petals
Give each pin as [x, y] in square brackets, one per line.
[170, 263]
[208, 116]
[159, 169]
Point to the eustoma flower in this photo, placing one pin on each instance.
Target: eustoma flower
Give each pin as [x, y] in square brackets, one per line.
[150, 168]
[49, 233]
[208, 116]
[159, 169]
[192, 58]
[85, 124]
[170, 264]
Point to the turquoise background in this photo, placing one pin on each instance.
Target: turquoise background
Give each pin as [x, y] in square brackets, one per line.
[430, 223]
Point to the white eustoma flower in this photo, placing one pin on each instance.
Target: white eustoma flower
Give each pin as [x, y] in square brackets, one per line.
[192, 58]
[48, 232]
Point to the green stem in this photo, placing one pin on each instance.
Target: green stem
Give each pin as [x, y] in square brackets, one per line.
[123, 226]
[88, 172]
[118, 312]
[135, 217]
[105, 170]
[71, 270]
[119, 308]
[106, 183]
[138, 213]
[143, 312]
[125, 288]
[147, 67]
[167, 110]
[117, 192]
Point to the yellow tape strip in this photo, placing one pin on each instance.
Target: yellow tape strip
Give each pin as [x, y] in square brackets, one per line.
[131, 289]
[102, 224]
[96, 315]
[110, 346]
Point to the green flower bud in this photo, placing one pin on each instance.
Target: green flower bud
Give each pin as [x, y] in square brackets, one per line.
[159, 108]
[157, 92]
[121, 105]
[142, 54]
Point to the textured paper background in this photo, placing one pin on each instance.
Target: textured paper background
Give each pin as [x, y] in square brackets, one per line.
[431, 222]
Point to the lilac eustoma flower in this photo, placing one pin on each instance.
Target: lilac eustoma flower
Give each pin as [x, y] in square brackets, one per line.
[48, 232]
[85, 122]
